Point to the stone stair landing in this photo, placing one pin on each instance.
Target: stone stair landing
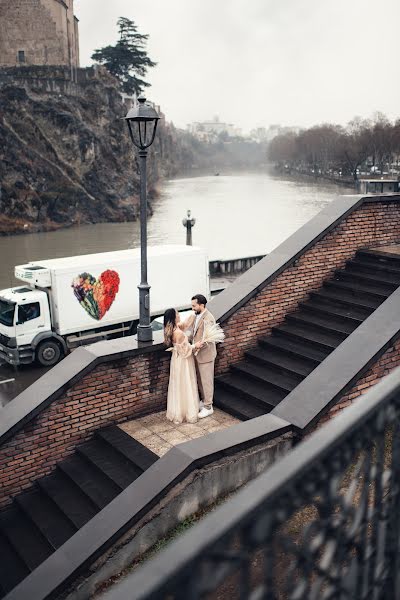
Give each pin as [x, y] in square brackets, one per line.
[159, 435]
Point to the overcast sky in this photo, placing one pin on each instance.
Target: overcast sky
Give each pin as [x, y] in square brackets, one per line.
[258, 62]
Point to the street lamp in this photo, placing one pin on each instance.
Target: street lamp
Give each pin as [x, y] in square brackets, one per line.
[142, 122]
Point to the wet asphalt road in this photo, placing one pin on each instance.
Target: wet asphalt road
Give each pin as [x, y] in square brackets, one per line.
[14, 380]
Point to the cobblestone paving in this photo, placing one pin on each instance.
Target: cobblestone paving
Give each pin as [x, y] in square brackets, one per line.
[159, 435]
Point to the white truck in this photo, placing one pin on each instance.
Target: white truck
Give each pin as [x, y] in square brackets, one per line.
[66, 302]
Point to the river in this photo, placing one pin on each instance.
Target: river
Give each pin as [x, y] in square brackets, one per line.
[236, 216]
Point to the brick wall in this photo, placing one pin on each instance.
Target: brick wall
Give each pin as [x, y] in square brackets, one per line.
[111, 393]
[373, 224]
[129, 388]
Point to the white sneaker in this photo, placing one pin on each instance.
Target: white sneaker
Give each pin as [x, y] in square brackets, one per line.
[205, 412]
[201, 404]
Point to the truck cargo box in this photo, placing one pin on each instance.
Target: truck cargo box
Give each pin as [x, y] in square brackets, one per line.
[97, 290]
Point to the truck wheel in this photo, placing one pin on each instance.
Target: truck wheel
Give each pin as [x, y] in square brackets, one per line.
[48, 353]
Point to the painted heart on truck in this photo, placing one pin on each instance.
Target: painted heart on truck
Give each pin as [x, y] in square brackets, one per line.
[96, 295]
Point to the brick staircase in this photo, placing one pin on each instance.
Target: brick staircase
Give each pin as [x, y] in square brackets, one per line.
[42, 519]
[280, 361]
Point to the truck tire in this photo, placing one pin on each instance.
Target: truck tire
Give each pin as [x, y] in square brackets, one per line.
[48, 353]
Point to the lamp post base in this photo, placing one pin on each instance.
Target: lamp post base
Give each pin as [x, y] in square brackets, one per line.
[144, 333]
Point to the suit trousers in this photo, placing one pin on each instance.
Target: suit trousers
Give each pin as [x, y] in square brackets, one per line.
[205, 381]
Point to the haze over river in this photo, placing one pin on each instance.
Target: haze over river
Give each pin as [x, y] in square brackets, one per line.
[236, 216]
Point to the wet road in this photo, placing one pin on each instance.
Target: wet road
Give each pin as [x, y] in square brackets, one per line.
[14, 380]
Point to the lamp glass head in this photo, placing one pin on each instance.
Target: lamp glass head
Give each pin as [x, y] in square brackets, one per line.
[142, 122]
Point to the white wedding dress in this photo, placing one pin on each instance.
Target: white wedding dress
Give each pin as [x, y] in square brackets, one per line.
[183, 395]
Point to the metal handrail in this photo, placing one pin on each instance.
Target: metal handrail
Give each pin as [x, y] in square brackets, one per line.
[350, 471]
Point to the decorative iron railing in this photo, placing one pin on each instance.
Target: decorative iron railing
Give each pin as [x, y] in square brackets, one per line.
[322, 523]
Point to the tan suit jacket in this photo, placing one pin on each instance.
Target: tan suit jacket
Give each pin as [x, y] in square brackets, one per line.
[209, 351]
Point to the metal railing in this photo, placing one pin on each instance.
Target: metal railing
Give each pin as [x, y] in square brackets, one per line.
[233, 266]
[322, 523]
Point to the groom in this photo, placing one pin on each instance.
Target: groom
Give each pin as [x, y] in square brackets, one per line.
[205, 358]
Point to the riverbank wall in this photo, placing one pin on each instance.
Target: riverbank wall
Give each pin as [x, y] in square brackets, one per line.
[346, 182]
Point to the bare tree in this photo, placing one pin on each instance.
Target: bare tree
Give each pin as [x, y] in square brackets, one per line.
[327, 148]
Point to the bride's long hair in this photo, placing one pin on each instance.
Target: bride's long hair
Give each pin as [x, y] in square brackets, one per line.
[169, 326]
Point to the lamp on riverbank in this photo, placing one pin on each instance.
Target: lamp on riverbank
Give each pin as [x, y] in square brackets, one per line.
[189, 224]
[142, 122]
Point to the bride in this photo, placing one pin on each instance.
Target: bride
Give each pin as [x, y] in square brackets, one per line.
[183, 395]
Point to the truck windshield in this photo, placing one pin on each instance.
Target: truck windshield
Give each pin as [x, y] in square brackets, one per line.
[7, 310]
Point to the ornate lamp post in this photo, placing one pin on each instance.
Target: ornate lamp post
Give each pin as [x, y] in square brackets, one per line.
[188, 223]
[142, 122]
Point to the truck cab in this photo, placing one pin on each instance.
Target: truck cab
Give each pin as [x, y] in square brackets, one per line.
[24, 324]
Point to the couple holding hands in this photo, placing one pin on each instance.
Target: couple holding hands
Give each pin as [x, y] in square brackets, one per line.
[191, 380]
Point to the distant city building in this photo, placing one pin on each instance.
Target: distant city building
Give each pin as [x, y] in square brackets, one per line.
[262, 134]
[129, 99]
[38, 32]
[259, 134]
[208, 130]
[275, 130]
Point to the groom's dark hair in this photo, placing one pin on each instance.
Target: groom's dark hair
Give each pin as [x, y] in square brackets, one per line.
[200, 299]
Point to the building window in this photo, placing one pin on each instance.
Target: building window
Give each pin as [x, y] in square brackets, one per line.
[21, 56]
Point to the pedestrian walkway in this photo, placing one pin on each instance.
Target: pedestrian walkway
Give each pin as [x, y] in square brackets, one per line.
[160, 435]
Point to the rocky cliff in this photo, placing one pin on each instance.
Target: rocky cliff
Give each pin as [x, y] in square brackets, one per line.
[67, 159]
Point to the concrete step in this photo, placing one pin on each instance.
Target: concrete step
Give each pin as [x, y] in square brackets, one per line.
[316, 339]
[358, 290]
[229, 402]
[328, 323]
[293, 348]
[337, 297]
[267, 375]
[254, 392]
[376, 281]
[281, 361]
[353, 314]
[388, 273]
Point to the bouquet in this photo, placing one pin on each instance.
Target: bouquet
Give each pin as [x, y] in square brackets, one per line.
[212, 334]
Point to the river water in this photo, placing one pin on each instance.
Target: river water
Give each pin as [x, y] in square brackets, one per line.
[236, 216]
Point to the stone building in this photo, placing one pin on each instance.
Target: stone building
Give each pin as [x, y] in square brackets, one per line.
[38, 32]
[208, 130]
